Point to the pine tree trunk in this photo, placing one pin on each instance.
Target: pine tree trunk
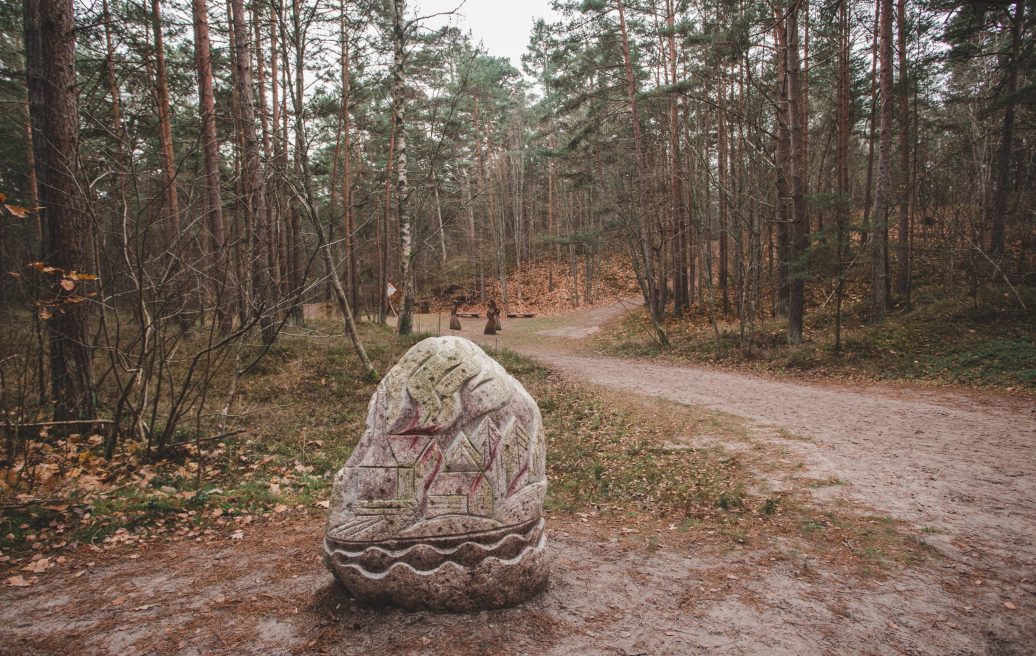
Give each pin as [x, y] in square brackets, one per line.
[680, 288]
[1003, 158]
[253, 201]
[347, 174]
[783, 172]
[843, 205]
[903, 97]
[50, 62]
[723, 184]
[800, 218]
[652, 285]
[882, 196]
[210, 186]
[165, 122]
[872, 124]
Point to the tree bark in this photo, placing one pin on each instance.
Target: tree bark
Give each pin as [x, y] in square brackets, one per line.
[652, 285]
[253, 200]
[210, 186]
[681, 294]
[165, 122]
[723, 184]
[347, 175]
[844, 201]
[406, 253]
[903, 98]
[879, 227]
[800, 218]
[50, 62]
[783, 172]
[1003, 159]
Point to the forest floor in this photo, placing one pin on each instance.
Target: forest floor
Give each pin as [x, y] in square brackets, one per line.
[879, 519]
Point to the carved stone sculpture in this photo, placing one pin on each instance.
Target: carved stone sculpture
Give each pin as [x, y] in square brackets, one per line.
[440, 505]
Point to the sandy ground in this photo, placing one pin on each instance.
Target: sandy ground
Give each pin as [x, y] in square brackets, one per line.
[959, 468]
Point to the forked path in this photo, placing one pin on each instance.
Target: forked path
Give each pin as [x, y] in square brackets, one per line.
[961, 466]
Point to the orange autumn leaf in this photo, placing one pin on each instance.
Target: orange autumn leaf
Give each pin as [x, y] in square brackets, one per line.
[18, 210]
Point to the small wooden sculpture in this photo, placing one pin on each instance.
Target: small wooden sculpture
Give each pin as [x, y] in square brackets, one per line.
[454, 319]
[492, 318]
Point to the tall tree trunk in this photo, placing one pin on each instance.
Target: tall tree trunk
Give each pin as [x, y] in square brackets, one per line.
[1003, 158]
[723, 183]
[800, 218]
[165, 122]
[50, 63]
[882, 196]
[253, 200]
[844, 203]
[872, 125]
[406, 253]
[292, 232]
[210, 186]
[680, 288]
[652, 284]
[783, 172]
[903, 98]
[347, 174]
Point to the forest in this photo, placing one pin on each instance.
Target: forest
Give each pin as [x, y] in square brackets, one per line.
[222, 223]
[184, 178]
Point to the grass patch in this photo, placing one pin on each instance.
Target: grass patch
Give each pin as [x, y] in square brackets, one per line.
[988, 342]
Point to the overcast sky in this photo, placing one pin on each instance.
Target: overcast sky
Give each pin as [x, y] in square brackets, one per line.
[503, 26]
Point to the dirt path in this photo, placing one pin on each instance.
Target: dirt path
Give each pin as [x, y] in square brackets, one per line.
[959, 468]
[948, 461]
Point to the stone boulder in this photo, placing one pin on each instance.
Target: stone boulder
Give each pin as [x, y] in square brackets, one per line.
[440, 506]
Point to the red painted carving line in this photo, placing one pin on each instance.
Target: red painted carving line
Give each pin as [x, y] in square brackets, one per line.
[414, 428]
[474, 486]
[512, 489]
[431, 479]
[492, 445]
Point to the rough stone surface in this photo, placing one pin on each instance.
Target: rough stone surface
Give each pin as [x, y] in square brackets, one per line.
[440, 505]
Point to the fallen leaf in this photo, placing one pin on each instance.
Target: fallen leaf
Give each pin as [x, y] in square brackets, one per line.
[279, 508]
[18, 582]
[237, 535]
[38, 567]
[120, 600]
[18, 210]
[146, 607]
[1009, 606]
[324, 504]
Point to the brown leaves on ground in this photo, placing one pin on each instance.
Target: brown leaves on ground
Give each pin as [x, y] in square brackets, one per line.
[548, 287]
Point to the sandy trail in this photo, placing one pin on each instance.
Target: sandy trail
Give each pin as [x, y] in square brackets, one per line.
[961, 464]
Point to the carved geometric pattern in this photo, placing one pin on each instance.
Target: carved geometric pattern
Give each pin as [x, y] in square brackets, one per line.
[440, 504]
[450, 434]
